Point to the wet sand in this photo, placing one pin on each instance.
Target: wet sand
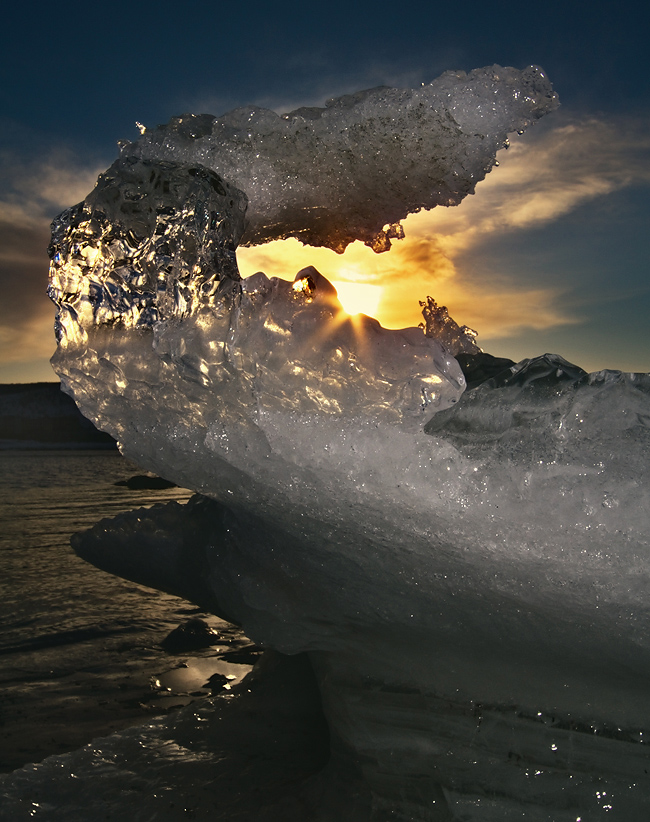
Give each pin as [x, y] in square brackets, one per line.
[53, 703]
[256, 753]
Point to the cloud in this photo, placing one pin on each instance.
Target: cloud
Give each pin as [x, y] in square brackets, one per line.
[31, 339]
[38, 189]
[541, 178]
[411, 270]
[555, 169]
[33, 192]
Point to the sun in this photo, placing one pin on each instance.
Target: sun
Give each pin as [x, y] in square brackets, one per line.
[358, 298]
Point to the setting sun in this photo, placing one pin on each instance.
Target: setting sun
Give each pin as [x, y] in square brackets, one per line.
[359, 298]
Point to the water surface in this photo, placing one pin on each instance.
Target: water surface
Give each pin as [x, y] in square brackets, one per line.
[80, 649]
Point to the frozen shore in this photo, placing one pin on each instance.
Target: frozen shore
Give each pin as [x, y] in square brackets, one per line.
[252, 754]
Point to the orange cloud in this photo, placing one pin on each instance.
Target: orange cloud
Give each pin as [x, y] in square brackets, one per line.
[542, 177]
[36, 193]
[32, 339]
[53, 183]
[411, 270]
[546, 174]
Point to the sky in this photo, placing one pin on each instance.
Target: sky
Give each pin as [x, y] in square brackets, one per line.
[549, 255]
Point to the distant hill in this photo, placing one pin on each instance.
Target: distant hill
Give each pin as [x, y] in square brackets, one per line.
[40, 415]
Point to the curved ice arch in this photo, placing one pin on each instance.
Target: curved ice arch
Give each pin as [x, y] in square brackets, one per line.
[353, 169]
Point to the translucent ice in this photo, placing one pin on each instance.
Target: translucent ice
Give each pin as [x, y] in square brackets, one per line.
[152, 241]
[354, 169]
[458, 339]
[473, 600]
[467, 569]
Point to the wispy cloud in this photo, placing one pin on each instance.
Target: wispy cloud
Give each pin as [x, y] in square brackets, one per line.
[38, 189]
[549, 173]
[31, 339]
[413, 269]
[33, 192]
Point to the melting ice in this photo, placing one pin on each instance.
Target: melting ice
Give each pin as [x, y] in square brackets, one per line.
[466, 568]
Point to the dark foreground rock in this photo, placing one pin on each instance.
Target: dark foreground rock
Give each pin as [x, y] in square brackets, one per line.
[190, 636]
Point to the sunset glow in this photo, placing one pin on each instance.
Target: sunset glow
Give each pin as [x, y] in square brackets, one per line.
[519, 303]
[359, 298]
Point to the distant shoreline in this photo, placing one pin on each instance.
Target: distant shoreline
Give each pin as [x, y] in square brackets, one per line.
[37, 416]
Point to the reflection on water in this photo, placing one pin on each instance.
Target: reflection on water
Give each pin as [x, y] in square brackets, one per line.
[244, 756]
[44, 498]
[79, 648]
[81, 658]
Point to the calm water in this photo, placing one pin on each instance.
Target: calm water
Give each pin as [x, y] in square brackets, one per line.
[80, 658]
[45, 589]
[80, 651]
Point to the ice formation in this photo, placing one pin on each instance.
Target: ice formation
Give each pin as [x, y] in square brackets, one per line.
[466, 568]
[354, 169]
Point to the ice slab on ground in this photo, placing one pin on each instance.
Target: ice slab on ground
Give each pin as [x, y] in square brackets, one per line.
[260, 754]
[472, 599]
[353, 169]
[479, 580]
[241, 755]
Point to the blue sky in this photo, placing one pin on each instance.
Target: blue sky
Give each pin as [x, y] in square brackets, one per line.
[550, 254]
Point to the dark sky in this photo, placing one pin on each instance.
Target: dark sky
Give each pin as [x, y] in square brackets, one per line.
[76, 77]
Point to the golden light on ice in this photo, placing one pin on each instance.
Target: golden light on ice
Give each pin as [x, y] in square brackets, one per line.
[359, 298]
[389, 286]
